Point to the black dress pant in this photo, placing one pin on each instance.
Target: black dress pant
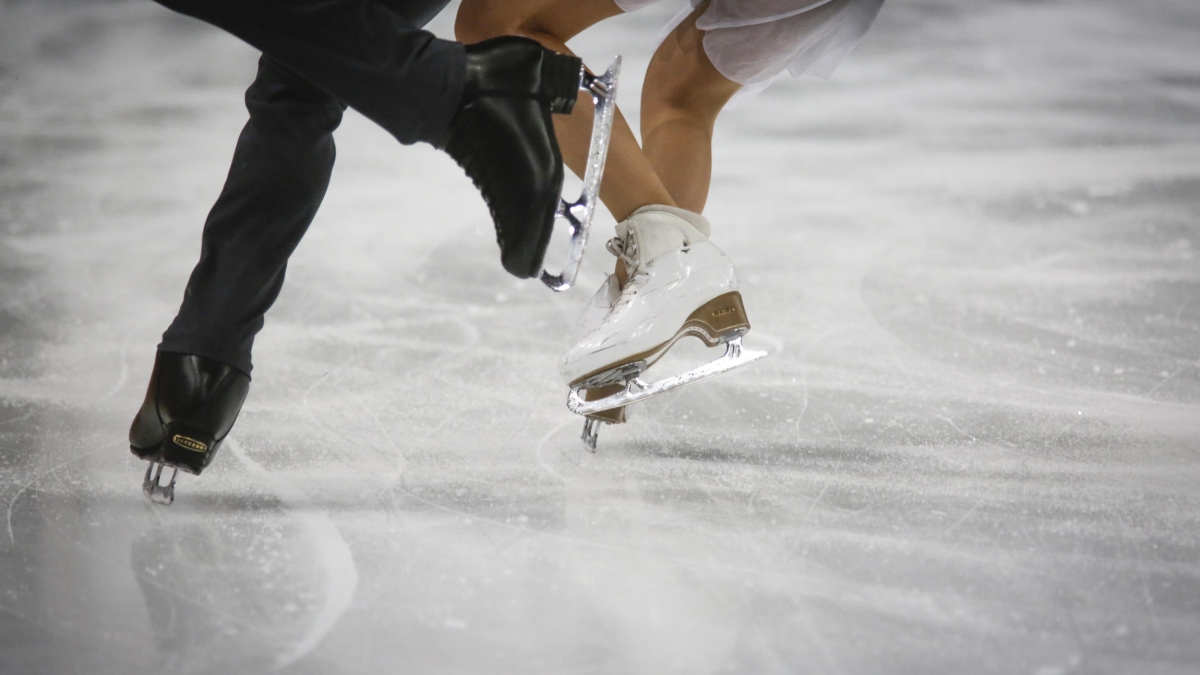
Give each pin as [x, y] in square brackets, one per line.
[318, 56]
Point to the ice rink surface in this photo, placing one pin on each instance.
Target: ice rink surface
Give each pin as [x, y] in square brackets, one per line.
[975, 448]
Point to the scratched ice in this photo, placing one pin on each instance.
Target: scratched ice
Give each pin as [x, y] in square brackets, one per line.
[975, 447]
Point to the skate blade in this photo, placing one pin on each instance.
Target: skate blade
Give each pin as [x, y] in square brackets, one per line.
[637, 389]
[152, 485]
[591, 431]
[579, 213]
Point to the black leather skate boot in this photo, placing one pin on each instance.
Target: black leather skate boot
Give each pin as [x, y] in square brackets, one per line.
[503, 137]
[190, 406]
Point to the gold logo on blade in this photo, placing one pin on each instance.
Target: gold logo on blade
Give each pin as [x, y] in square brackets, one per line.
[723, 312]
[190, 443]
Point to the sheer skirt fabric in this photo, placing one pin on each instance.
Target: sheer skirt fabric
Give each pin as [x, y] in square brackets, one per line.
[753, 41]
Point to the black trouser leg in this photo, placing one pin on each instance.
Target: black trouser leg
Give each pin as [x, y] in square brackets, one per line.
[281, 169]
[365, 53]
[278, 177]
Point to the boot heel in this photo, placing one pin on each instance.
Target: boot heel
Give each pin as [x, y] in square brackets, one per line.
[719, 319]
[613, 415]
[561, 75]
[188, 449]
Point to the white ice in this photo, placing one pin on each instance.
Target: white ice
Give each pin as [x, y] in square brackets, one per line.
[974, 449]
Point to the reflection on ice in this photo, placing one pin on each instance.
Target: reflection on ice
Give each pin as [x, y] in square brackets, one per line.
[221, 597]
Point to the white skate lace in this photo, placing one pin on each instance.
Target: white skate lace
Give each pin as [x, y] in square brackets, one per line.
[626, 250]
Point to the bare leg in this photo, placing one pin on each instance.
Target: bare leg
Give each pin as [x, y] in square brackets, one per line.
[630, 181]
[681, 99]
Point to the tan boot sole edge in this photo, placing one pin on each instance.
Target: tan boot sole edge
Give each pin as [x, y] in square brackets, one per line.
[710, 322]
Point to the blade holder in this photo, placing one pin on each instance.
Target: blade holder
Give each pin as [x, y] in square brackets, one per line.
[579, 213]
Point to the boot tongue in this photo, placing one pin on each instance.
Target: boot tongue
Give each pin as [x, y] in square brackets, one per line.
[621, 273]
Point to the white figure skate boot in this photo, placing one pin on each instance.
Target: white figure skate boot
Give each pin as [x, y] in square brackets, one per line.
[676, 283]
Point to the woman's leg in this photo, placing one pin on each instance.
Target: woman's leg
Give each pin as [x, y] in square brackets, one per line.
[682, 96]
[630, 181]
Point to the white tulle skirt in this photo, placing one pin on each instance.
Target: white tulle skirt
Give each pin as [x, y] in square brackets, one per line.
[753, 41]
